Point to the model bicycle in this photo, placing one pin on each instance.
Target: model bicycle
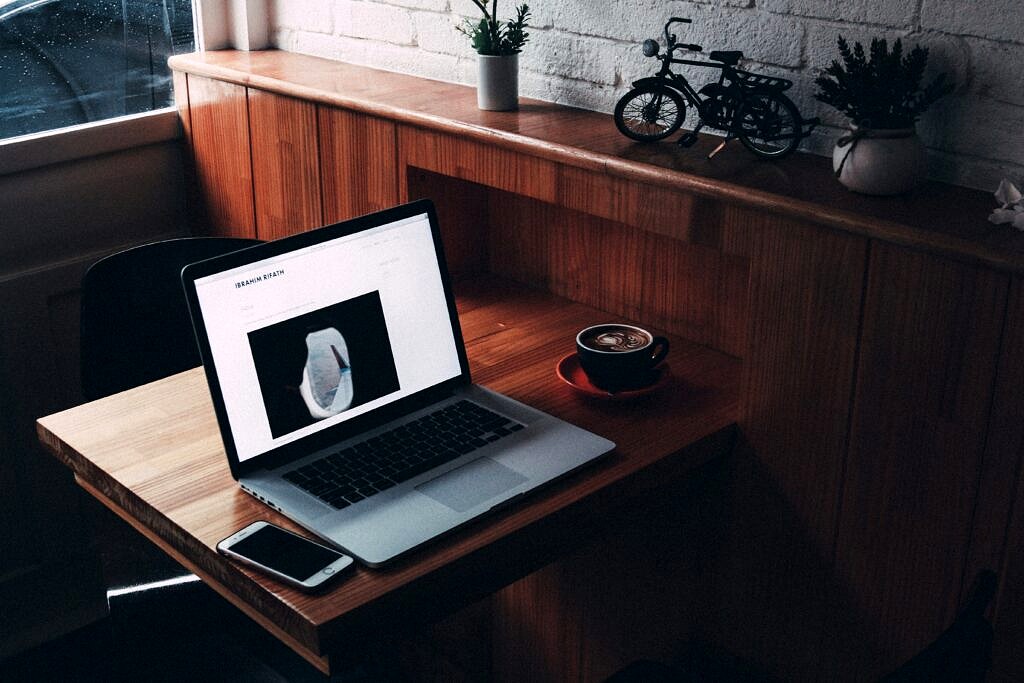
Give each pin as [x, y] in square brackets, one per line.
[747, 106]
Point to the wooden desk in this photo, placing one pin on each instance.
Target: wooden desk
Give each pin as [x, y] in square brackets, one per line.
[154, 456]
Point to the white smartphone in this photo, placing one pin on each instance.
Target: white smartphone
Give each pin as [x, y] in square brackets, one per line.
[284, 555]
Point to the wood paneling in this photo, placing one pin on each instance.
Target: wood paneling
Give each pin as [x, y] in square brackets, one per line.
[358, 164]
[690, 290]
[656, 209]
[1000, 501]
[155, 452]
[524, 175]
[771, 593]
[1007, 650]
[805, 298]
[220, 145]
[802, 188]
[462, 215]
[929, 346]
[285, 165]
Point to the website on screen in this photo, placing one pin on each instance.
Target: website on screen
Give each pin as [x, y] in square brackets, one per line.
[315, 337]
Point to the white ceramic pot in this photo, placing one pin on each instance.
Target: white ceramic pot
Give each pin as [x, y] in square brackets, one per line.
[880, 162]
[497, 85]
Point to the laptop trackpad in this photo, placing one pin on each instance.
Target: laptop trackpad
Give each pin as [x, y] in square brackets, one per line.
[472, 484]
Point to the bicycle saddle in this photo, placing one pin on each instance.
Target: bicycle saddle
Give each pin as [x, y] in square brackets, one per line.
[730, 57]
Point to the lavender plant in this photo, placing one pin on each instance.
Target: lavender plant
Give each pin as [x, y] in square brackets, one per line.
[880, 89]
[491, 37]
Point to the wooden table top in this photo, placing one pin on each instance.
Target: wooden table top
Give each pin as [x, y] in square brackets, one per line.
[154, 455]
[937, 217]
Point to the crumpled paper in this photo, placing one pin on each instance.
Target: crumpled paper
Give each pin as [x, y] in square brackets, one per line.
[326, 385]
[1012, 210]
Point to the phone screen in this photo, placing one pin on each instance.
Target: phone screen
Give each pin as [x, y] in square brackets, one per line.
[285, 552]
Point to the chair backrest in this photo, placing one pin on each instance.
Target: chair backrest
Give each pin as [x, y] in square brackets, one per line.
[963, 653]
[135, 324]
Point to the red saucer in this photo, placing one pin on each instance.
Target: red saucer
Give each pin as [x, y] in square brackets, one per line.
[570, 372]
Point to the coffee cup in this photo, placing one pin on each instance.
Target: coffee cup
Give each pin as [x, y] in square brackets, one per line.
[617, 356]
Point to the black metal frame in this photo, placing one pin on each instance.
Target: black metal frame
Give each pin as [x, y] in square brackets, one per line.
[744, 82]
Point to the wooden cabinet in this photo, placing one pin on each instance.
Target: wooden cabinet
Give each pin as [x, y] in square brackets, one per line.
[285, 164]
[879, 459]
[1000, 500]
[769, 594]
[357, 163]
[218, 136]
[929, 344]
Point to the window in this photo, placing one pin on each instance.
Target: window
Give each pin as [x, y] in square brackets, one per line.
[67, 62]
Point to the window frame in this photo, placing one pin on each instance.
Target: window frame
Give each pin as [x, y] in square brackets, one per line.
[217, 25]
[59, 145]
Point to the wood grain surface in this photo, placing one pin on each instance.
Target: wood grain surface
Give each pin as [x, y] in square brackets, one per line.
[357, 160]
[802, 187]
[805, 298]
[285, 165]
[462, 215]
[771, 594]
[997, 538]
[219, 117]
[925, 380]
[691, 290]
[155, 453]
[490, 165]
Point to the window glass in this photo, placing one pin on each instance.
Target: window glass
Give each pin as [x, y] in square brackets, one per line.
[66, 62]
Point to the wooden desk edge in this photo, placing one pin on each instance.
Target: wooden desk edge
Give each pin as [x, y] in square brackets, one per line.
[321, 662]
[85, 477]
[698, 454]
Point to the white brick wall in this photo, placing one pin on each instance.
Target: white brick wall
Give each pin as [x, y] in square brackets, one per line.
[585, 53]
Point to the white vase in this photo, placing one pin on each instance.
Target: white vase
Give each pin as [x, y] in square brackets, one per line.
[497, 86]
[879, 161]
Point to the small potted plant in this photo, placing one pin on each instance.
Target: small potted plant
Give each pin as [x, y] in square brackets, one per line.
[498, 46]
[882, 93]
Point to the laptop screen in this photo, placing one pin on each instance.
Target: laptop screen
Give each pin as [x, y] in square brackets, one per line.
[314, 337]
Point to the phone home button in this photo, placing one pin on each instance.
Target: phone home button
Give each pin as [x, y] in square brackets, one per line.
[329, 570]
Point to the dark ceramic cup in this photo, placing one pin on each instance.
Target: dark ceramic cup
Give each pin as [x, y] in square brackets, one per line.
[617, 356]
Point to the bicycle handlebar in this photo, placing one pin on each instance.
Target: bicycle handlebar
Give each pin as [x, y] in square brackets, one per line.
[670, 38]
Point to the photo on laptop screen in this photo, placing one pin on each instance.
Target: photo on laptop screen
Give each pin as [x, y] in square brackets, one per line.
[311, 337]
[322, 363]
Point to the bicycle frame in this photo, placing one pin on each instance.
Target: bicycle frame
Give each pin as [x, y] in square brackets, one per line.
[744, 104]
[680, 84]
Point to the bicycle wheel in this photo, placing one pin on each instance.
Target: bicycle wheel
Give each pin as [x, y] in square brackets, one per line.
[769, 125]
[650, 112]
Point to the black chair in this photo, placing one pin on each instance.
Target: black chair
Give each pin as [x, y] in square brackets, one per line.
[135, 323]
[136, 328]
[963, 653]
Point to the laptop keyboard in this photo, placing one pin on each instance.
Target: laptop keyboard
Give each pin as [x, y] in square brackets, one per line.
[359, 471]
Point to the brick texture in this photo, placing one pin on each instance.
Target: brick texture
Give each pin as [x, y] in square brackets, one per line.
[586, 54]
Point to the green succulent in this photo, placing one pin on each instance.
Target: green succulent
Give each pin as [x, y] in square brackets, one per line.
[880, 89]
[490, 37]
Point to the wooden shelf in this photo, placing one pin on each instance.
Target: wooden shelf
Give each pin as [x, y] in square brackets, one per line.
[154, 455]
[937, 217]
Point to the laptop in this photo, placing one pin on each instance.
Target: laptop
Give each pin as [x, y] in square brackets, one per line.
[339, 377]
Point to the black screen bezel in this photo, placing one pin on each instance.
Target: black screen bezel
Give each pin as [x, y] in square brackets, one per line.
[339, 432]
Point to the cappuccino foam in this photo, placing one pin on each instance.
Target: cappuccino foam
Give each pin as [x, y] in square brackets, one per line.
[616, 339]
